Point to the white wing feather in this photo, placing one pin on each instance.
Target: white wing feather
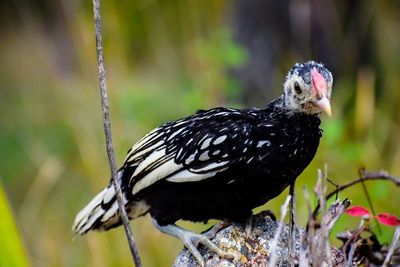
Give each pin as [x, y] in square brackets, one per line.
[157, 173]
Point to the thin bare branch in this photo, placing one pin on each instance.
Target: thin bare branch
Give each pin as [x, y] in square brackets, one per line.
[107, 130]
[306, 243]
[323, 249]
[369, 200]
[366, 176]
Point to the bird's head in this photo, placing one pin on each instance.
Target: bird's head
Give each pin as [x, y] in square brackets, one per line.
[308, 88]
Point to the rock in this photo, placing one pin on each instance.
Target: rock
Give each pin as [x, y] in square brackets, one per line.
[255, 249]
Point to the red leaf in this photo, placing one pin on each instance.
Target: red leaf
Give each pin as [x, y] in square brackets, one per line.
[387, 219]
[357, 211]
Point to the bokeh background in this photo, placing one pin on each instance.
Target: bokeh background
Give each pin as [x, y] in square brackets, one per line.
[164, 60]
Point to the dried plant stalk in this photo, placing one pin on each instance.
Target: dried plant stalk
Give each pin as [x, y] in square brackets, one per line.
[107, 130]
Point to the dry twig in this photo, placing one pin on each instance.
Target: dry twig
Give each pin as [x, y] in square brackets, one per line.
[107, 130]
[366, 176]
[393, 247]
[306, 236]
[322, 243]
[315, 249]
[274, 256]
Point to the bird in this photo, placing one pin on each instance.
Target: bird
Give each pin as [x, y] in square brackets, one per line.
[219, 163]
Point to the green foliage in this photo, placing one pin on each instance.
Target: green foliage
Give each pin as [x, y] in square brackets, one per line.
[12, 250]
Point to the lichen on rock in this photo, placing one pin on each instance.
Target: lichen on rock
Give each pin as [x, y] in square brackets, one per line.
[254, 249]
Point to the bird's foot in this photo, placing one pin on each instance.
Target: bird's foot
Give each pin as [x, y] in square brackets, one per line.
[249, 221]
[212, 232]
[192, 240]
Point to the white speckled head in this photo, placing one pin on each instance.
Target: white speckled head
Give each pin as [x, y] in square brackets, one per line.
[308, 88]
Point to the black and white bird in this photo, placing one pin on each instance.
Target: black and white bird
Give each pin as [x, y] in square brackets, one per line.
[218, 163]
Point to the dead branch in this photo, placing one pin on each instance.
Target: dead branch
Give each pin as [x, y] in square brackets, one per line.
[274, 246]
[107, 130]
[334, 212]
[322, 242]
[365, 176]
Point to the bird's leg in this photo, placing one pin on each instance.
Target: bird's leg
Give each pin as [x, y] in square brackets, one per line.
[249, 225]
[292, 239]
[268, 213]
[212, 232]
[192, 240]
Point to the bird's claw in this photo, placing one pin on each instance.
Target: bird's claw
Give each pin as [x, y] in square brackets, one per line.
[212, 232]
[191, 242]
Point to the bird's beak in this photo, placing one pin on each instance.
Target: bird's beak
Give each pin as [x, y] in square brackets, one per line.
[320, 89]
[324, 105]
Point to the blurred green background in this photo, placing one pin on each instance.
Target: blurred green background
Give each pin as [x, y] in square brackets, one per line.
[164, 60]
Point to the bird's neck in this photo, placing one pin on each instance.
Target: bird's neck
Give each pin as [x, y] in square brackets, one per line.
[281, 104]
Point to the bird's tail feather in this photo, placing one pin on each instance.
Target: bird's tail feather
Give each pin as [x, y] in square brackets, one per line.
[101, 213]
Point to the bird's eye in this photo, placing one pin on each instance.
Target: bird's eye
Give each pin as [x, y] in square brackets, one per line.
[297, 88]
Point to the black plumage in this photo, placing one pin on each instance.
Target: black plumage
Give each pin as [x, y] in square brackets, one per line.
[219, 163]
[257, 153]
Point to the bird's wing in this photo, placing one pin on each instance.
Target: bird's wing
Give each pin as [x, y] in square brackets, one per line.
[195, 148]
